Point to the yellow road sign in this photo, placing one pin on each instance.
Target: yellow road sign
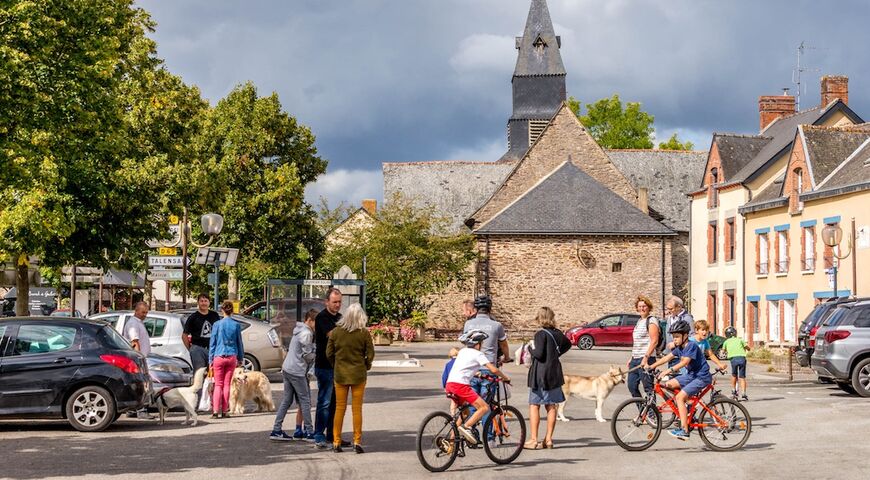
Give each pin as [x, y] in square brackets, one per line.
[167, 251]
[173, 220]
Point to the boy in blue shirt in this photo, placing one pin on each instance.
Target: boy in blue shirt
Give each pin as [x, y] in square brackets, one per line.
[696, 377]
[702, 331]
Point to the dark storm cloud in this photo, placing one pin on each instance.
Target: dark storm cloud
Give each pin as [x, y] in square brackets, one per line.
[412, 80]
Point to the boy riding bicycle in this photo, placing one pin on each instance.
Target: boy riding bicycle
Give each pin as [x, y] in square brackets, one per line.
[696, 377]
[468, 362]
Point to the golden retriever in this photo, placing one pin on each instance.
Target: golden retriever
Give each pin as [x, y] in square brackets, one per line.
[247, 386]
[591, 388]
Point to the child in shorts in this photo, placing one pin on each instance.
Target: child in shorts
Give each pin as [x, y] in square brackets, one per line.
[468, 362]
[448, 366]
[736, 350]
[702, 331]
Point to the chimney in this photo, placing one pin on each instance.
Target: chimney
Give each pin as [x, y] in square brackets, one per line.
[370, 205]
[834, 87]
[771, 107]
[643, 200]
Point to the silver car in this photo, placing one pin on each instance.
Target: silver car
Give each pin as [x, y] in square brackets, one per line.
[843, 347]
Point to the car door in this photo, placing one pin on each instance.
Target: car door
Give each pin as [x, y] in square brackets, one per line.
[626, 329]
[608, 330]
[41, 358]
[165, 333]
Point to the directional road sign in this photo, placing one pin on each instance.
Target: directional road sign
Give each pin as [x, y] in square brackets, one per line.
[174, 275]
[166, 261]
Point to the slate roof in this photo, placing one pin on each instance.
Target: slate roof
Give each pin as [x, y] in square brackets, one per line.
[532, 60]
[735, 151]
[856, 169]
[668, 175]
[570, 202]
[769, 197]
[454, 189]
[829, 147]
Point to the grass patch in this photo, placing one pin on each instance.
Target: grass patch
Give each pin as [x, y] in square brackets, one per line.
[760, 355]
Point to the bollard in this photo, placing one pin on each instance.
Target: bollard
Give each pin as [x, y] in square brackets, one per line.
[790, 364]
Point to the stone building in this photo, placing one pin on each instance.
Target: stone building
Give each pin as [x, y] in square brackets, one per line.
[558, 220]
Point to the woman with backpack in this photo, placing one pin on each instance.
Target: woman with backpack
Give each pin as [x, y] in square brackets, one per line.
[645, 341]
[545, 377]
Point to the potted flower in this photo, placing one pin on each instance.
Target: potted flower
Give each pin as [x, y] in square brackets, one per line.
[381, 334]
[418, 323]
[407, 332]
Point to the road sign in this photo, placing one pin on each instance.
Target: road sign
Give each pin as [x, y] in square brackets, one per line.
[173, 219]
[174, 275]
[211, 278]
[166, 261]
[167, 251]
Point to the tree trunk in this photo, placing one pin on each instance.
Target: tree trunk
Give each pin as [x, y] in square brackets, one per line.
[22, 284]
[233, 285]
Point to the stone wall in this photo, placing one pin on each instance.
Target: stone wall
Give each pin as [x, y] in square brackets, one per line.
[681, 263]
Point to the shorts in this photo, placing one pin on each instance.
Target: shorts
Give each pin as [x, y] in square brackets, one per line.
[546, 397]
[463, 392]
[693, 385]
[738, 367]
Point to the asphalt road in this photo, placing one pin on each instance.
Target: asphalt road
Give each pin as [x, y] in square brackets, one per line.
[800, 430]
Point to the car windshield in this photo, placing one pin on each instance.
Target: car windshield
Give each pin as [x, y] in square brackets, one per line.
[112, 339]
[593, 324]
[814, 316]
[836, 317]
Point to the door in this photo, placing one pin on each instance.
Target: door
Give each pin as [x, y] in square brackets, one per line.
[789, 321]
[40, 361]
[773, 320]
[165, 333]
[626, 328]
[608, 331]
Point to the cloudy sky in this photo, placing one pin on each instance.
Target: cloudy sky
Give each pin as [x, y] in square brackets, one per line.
[415, 80]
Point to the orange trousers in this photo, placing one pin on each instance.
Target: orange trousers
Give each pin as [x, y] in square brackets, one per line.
[357, 392]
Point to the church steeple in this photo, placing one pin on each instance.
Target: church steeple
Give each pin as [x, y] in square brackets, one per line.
[538, 82]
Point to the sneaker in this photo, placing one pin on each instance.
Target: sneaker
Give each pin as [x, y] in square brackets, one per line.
[744, 398]
[679, 433]
[298, 434]
[467, 434]
[280, 436]
[306, 436]
[358, 448]
[321, 445]
[144, 415]
[337, 449]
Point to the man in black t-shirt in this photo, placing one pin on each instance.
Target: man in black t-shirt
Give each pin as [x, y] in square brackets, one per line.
[323, 325]
[197, 332]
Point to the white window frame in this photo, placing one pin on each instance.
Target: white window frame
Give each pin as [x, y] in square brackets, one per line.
[788, 307]
[773, 321]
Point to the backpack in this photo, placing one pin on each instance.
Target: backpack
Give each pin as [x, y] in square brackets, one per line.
[663, 335]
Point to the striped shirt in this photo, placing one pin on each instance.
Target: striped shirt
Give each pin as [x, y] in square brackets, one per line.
[640, 337]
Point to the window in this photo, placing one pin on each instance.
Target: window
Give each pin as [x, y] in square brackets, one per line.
[712, 241]
[861, 317]
[730, 243]
[2, 339]
[808, 249]
[35, 339]
[773, 320]
[155, 326]
[713, 191]
[609, 321]
[789, 316]
[712, 307]
[763, 256]
[630, 320]
[798, 181]
[729, 308]
[108, 337]
[536, 128]
[752, 314]
[616, 267]
[782, 251]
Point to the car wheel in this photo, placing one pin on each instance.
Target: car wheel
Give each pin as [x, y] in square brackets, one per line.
[250, 364]
[861, 378]
[846, 387]
[90, 409]
[586, 342]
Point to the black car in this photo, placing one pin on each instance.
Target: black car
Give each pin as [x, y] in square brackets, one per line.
[76, 369]
[807, 332]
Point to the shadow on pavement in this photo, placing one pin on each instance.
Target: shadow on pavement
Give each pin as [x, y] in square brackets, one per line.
[384, 395]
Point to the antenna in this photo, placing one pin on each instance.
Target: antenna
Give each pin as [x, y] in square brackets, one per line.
[796, 73]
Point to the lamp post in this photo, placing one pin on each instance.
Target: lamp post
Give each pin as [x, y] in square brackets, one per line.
[832, 235]
[212, 224]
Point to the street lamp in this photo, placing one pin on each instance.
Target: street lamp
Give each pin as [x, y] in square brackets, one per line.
[212, 224]
[832, 235]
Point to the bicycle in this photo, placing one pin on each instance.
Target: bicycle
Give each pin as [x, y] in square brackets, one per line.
[723, 424]
[665, 408]
[504, 432]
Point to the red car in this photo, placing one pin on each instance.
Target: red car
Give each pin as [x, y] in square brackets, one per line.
[613, 329]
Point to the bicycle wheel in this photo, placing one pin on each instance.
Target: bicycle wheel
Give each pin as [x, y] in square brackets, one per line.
[635, 425]
[727, 428]
[437, 442]
[504, 434]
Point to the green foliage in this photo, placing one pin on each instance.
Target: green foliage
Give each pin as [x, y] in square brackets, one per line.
[613, 126]
[674, 144]
[329, 218]
[409, 257]
[760, 355]
[418, 319]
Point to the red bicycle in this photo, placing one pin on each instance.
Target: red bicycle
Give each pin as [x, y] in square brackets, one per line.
[723, 424]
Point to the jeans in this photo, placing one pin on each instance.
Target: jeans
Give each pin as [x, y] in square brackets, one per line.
[223, 377]
[324, 417]
[295, 388]
[357, 392]
[635, 378]
[481, 387]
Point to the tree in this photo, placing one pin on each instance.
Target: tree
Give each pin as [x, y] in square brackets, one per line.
[260, 159]
[409, 257]
[674, 144]
[70, 190]
[613, 126]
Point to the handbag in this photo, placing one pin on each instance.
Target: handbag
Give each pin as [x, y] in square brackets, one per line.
[205, 398]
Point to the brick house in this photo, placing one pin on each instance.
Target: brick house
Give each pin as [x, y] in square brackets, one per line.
[558, 220]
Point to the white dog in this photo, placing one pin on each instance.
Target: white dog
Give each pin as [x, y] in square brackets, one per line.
[184, 397]
[591, 388]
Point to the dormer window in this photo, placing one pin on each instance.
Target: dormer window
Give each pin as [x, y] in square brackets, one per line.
[713, 191]
[539, 43]
[799, 181]
[794, 199]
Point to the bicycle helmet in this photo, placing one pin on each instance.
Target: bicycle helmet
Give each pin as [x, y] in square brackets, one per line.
[473, 337]
[730, 332]
[680, 326]
[483, 301]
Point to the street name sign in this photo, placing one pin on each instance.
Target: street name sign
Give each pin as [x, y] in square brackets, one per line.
[174, 275]
[166, 261]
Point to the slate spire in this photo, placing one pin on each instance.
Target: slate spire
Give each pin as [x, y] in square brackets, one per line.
[538, 82]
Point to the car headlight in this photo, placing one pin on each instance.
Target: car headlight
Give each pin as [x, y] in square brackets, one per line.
[273, 338]
[168, 368]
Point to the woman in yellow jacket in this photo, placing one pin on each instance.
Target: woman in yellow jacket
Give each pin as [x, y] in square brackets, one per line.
[350, 351]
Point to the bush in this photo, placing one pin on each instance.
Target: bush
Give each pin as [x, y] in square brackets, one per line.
[760, 355]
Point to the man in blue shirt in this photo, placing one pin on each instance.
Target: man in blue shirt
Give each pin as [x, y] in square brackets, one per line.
[693, 381]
